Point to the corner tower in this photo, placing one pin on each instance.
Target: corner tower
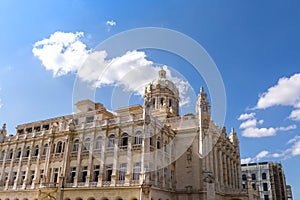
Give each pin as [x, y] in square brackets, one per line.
[162, 97]
[203, 109]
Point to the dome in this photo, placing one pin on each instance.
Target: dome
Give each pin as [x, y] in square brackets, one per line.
[163, 95]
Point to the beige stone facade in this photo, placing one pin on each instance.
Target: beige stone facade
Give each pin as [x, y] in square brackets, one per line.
[137, 152]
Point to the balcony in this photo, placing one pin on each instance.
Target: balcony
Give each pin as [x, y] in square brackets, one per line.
[136, 146]
[109, 149]
[120, 183]
[134, 182]
[68, 185]
[123, 148]
[58, 155]
[85, 153]
[16, 161]
[33, 158]
[74, 154]
[93, 184]
[106, 183]
[81, 184]
[49, 185]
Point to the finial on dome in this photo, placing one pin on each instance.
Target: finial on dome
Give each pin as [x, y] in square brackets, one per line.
[162, 73]
[202, 89]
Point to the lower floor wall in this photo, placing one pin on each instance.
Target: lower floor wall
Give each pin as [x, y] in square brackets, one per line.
[115, 193]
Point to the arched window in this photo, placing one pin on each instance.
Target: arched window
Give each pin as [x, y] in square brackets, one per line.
[27, 152]
[264, 176]
[165, 147]
[36, 150]
[124, 139]
[111, 141]
[45, 149]
[76, 145]
[98, 143]
[244, 177]
[19, 153]
[59, 147]
[162, 101]
[11, 153]
[87, 143]
[158, 143]
[151, 139]
[138, 137]
[253, 176]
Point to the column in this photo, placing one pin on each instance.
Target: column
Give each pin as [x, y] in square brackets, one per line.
[102, 157]
[90, 162]
[66, 158]
[229, 171]
[115, 161]
[129, 161]
[3, 165]
[27, 173]
[216, 174]
[78, 160]
[221, 173]
[225, 170]
[20, 161]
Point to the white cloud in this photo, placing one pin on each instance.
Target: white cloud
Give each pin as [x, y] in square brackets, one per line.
[261, 155]
[64, 53]
[295, 115]
[246, 160]
[61, 53]
[131, 71]
[248, 123]
[295, 150]
[258, 132]
[250, 129]
[246, 116]
[293, 140]
[285, 93]
[286, 128]
[111, 23]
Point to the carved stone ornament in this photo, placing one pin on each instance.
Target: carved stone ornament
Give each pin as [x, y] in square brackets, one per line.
[147, 119]
[209, 178]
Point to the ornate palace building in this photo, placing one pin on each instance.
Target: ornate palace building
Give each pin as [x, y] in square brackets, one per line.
[146, 152]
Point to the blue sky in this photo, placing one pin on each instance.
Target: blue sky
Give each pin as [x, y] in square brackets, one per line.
[254, 44]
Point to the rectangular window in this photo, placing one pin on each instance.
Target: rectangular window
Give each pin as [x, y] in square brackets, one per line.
[122, 171]
[265, 186]
[172, 177]
[253, 176]
[14, 178]
[96, 172]
[84, 173]
[165, 175]
[23, 177]
[6, 176]
[72, 174]
[266, 197]
[108, 172]
[55, 177]
[136, 171]
[89, 119]
[31, 176]
[158, 174]
[41, 175]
